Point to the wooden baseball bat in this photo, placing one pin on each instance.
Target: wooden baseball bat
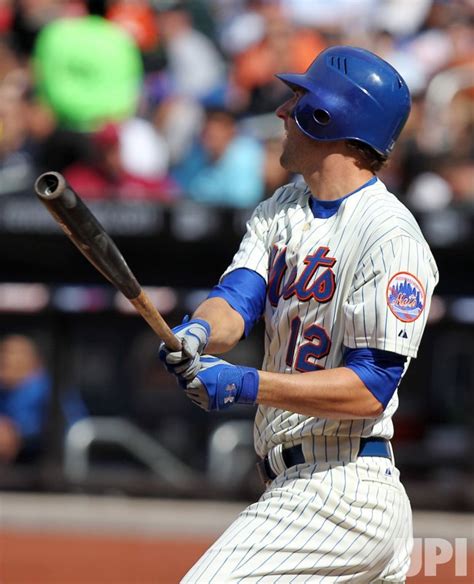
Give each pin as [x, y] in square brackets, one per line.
[88, 235]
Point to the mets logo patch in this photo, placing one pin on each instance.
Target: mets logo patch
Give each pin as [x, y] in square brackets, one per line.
[405, 297]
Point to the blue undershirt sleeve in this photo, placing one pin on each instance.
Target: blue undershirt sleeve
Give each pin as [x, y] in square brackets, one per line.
[245, 290]
[379, 370]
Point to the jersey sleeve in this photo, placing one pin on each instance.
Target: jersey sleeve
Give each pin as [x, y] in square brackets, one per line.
[254, 250]
[389, 301]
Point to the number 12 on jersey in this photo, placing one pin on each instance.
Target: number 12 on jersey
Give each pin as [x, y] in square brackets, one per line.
[303, 357]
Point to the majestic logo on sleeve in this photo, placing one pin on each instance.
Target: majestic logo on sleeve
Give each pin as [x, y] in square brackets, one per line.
[405, 297]
[315, 282]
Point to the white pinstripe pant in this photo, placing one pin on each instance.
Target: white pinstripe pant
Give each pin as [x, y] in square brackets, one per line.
[324, 523]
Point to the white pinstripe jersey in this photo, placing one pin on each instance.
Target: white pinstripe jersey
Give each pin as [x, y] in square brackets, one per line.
[363, 277]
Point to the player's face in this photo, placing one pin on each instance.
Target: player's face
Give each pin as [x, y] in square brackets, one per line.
[296, 145]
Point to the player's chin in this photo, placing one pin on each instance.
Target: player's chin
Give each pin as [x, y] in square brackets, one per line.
[286, 161]
[284, 157]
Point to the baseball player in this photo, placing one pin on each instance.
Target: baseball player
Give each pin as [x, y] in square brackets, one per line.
[342, 276]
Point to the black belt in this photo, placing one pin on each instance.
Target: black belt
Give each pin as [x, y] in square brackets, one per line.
[292, 456]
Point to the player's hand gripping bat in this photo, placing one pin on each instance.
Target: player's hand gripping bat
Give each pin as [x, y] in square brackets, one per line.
[88, 235]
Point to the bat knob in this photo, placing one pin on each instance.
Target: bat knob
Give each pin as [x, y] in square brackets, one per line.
[50, 185]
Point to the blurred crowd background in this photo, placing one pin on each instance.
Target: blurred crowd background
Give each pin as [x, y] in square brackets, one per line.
[160, 113]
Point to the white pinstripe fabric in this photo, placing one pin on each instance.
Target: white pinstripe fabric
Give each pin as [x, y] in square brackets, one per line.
[372, 236]
[298, 531]
[336, 518]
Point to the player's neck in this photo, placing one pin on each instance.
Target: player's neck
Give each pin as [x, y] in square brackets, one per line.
[335, 177]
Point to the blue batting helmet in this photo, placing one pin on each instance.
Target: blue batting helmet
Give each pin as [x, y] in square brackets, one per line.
[351, 94]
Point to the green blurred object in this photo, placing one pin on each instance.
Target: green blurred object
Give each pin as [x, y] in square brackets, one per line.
[88, 70]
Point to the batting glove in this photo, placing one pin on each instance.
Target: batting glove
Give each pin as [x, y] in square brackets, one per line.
[194, 336]
[219, 384]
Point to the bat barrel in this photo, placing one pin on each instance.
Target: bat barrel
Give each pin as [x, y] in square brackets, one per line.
[91, 239]
[85, 231]
[50, 185]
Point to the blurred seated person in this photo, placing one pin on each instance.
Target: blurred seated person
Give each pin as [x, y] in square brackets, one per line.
[51, 146]
[284, 47]
[194, 65]
[25, 389]
[223, 167]
[126, 162]
[17, 171]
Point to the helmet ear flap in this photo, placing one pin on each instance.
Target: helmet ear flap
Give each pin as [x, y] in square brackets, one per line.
[313, 118]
